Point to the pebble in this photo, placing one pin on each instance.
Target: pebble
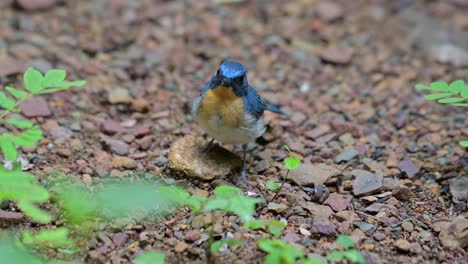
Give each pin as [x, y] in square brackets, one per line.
[277, 207]
[319, 193]
[322, 225]
[10, 66]
[459, 189]
[111, 127]
[304, 231]
[308, 174]
[402, 245]
[140, 105]
[365, 227]
[329, 11]
[379, 236]
[338, 202]
[35, 107]
[160, 161]
[408, 167]
[449, 53]
[291, 237]
[180, 247]
[192, 235]
[347, 155]
[117, 146]
[366, 182]
[86, 179]
[335, 55]
[119, 96]
[120, 239]
[119, 162]
[185, 157]
[61, 132]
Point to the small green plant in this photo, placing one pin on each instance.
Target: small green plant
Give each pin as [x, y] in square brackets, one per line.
[280, 252]
[150, 257]
[455, 94]
[291, 163]
[347, 251]
[16, 185]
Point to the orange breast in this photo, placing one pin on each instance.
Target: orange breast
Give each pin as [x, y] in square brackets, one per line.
[224, 103]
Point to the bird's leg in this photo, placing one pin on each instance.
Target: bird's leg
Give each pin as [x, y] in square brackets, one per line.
[244, 153]
[208, 146]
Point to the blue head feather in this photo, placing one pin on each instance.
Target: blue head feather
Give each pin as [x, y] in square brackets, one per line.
[232, 69]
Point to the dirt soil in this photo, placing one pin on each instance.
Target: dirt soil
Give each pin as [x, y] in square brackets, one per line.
[344, 71]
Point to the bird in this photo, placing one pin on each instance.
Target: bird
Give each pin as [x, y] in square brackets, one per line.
[231, 111]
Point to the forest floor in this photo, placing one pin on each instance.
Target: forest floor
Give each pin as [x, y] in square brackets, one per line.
[344, 71]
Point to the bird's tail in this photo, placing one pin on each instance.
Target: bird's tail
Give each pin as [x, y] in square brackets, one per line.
[274, 109]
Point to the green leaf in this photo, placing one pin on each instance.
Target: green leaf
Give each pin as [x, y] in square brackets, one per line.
[440, 86]
[275, 227]
[255, 224]
[18, 94]
[269, 245]
[271, 185]
[54, 77]
[335, 255]
[345, 241]
[312, 261]
[11, 252]
[458, 104]
[6, 102]
[437, 96]
[291, 163]
[29, 138]
[34, 212]
[8, 149]
[225, 191]
[457, 86]
[20, 123]
[464, 93]
[33, 79]
[421, 86]
[464, 144]
[56, 238]
[450, 100]
[354, 256]
[150, 257]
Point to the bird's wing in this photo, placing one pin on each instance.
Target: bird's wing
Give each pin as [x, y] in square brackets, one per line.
[208, 85]
[253, 103]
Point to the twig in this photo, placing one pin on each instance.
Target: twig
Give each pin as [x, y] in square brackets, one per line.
[281, 187]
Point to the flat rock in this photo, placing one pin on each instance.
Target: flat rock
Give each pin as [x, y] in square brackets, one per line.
[335, 56]
[455, 234]
[9, 66]
[291, 237]
[61, 132]
[185, 157]
[338, 202]
[119, 96]
[309, 174]
[111, 127]
[347, 155]
[449, 53]
[117, 146]
[408, 167]
[119, 162]
[402, 245]
[329, 11]
[35, 107]
[323, 225]
[366, 182]
[277, 207]
[459, 189]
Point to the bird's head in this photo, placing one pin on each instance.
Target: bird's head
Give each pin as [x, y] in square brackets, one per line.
[234, 75]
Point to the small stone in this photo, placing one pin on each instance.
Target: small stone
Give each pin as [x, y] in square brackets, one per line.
[180, 247]
[365, 227]
[86, 179]
[66, 153]
[408, 167]
[402, 245]
[379, 236]
[335, 55]
[338, 202]
[324, 226]
[10, 66]
[61, 132]
[459, 189]
[119, 239]
[407, 226]
[119, 162]
[329, 11]
[160, 161]
[141, 105]
[119, 95]
[291, 238]
[117, 146]
[277, 208]
[347, 155]
[304, 231]
[319, 193]
[33, 5]
[192, 235]
[185, 157]
[415, 248]
[366, 182]
[308, 174]
[402, 193]
[449, 53]
[35, 107]
[141, 131]
[455, 234]
[111, 127]
[345, 216]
